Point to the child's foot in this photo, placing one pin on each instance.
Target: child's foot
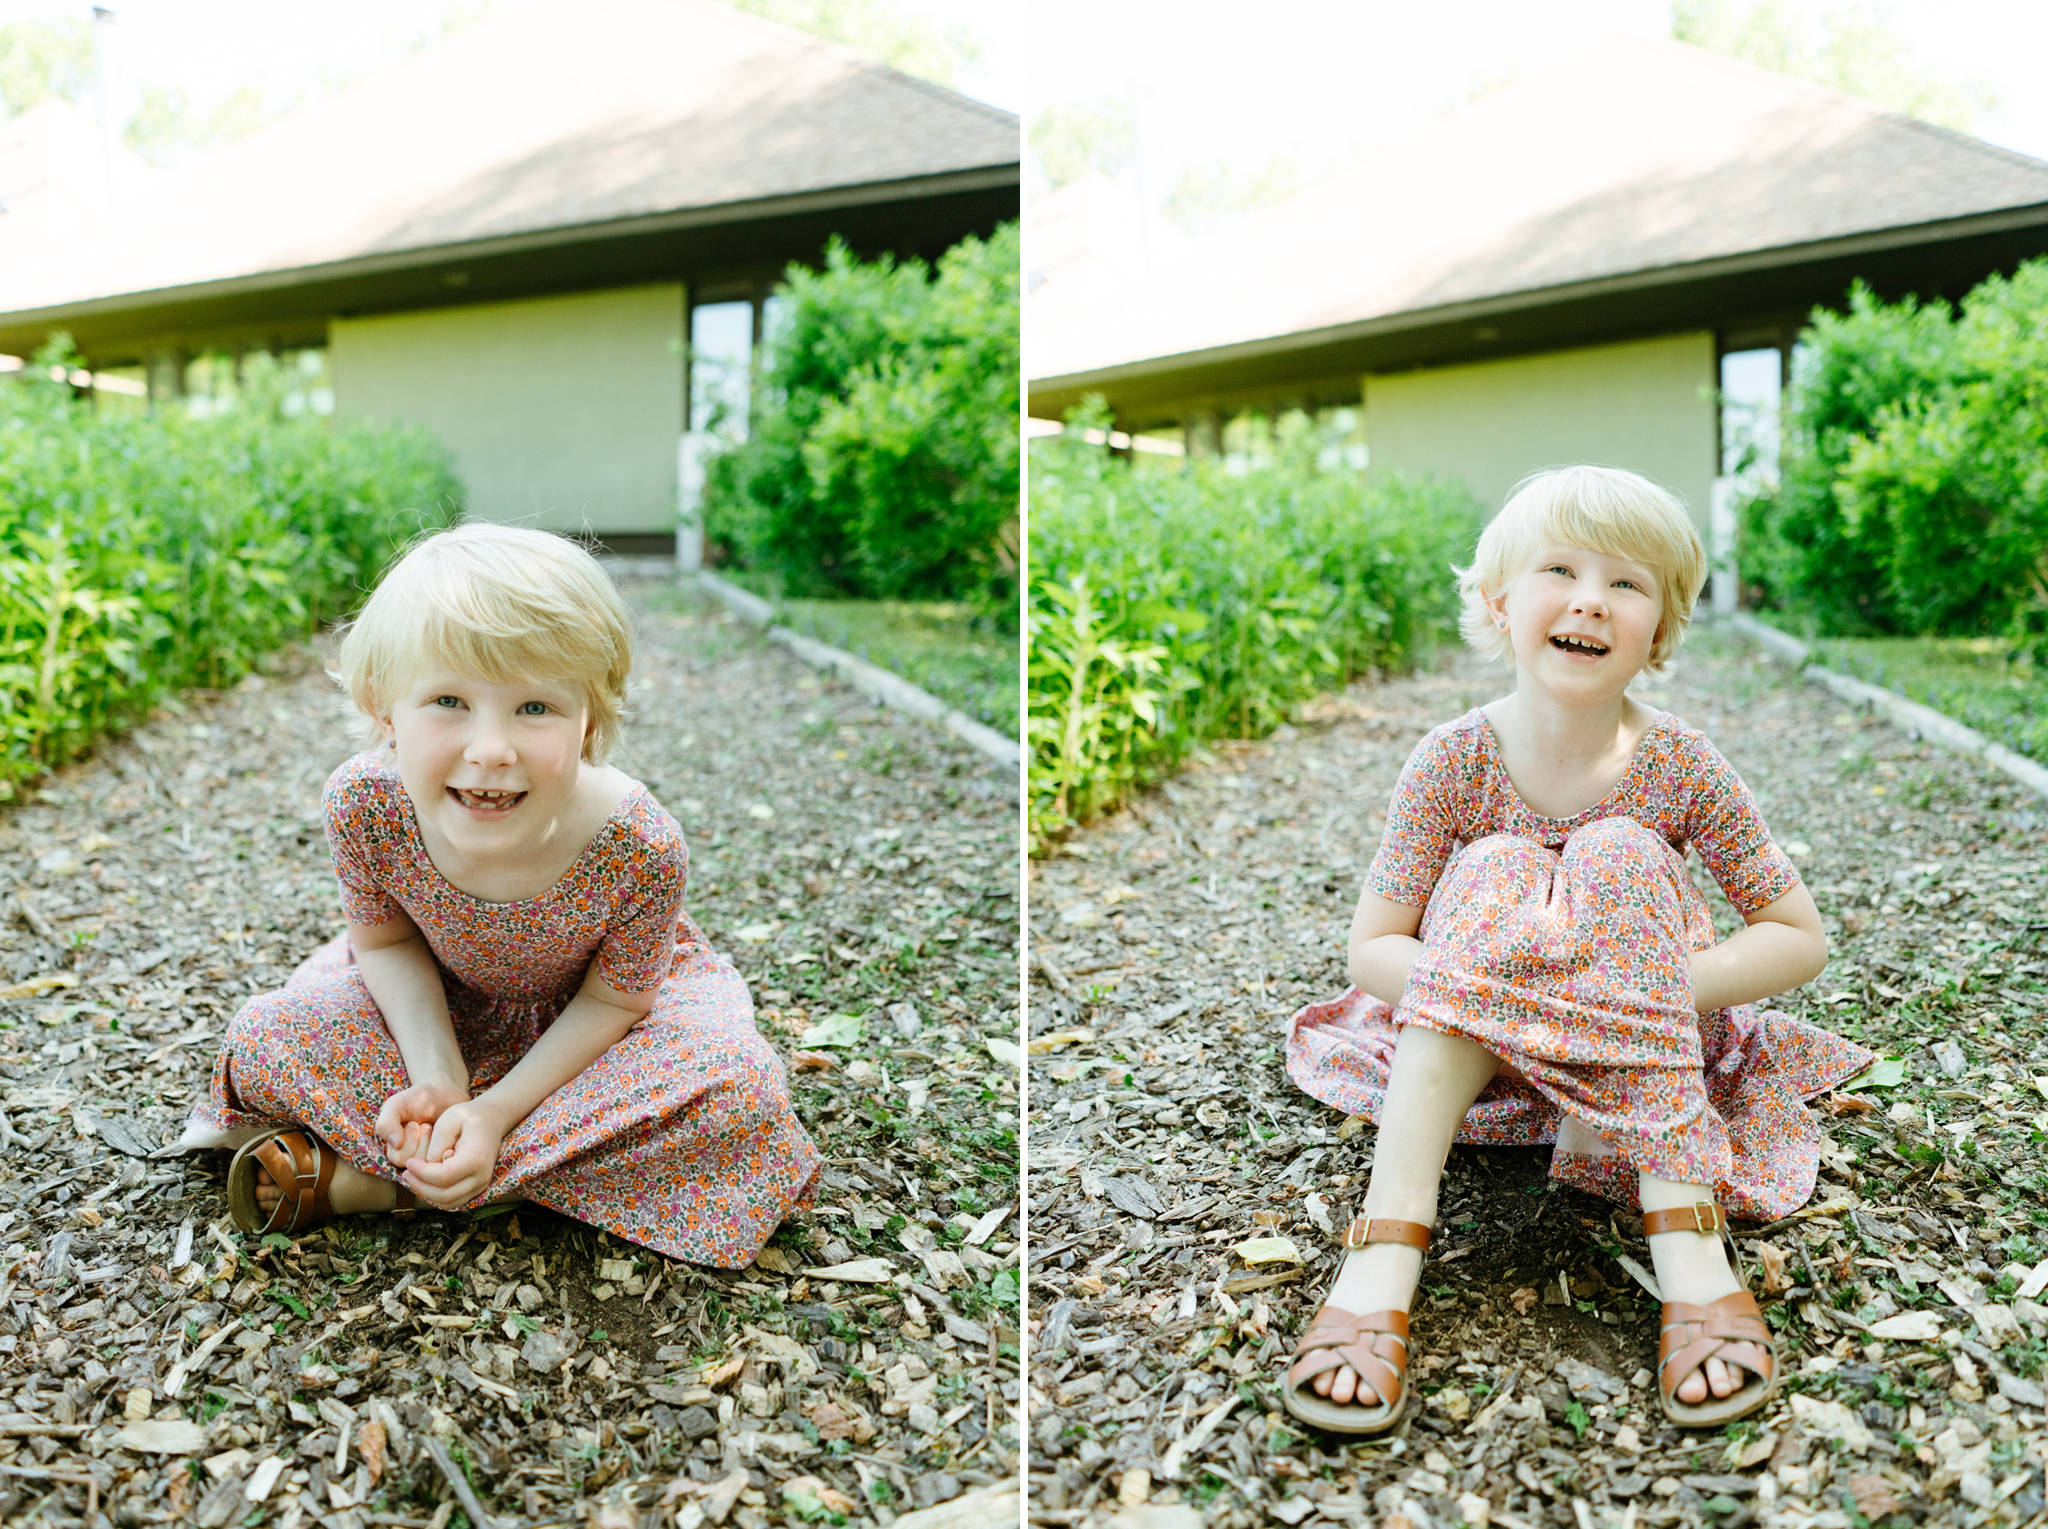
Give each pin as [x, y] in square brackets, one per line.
[1693, 1267]
[349, 1191]
[1380, 1277]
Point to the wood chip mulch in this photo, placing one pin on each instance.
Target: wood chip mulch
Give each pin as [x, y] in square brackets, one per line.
[514, 1368]
[1171, 942]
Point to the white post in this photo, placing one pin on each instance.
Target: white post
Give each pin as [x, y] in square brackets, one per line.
[690, 449]
[1721, 531]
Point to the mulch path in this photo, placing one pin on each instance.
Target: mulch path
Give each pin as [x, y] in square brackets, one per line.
[518, 1368]
[1170, 943]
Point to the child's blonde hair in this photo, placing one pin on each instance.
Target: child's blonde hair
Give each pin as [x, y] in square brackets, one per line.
[502, 603]
[1603, 509]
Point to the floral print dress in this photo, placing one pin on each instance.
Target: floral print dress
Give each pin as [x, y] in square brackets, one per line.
[1563, 946]
[681, 1137]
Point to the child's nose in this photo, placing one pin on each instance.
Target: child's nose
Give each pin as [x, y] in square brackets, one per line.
[489, 743]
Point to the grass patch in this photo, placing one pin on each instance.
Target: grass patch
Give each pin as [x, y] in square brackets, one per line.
[1976, 680]
[942, 645]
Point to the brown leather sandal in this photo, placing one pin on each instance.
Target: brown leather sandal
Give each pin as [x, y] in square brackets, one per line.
[302, 1166]
[1375, 1345]
[1724, 1329]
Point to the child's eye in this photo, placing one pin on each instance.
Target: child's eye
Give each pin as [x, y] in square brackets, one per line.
[534, 709]
[1559, 568]
[447, 701]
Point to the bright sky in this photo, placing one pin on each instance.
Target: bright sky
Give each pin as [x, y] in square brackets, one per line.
[209, 48]
[1213, 82]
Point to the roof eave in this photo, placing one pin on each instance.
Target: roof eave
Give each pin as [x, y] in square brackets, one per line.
[910, 188]
[1903, 237]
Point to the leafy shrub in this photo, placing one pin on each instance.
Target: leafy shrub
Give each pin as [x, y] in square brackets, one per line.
[1914, 495]
[881, 460]
[1167, 608]
[144, 553]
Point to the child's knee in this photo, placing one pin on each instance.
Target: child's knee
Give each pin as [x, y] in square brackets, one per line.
[1623, 837]
[260, 1025]
[1508, 858]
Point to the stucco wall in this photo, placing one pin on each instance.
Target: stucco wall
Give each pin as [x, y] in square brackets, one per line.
[562, 412]
[1647, 405]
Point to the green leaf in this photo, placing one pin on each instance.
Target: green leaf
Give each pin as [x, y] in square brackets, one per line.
[834, 1030]
[290, 1302]
[1575, 1415]
[1885, 1072]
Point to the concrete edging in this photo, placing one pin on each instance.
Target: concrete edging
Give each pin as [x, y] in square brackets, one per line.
[1920, 721]
[889, 689]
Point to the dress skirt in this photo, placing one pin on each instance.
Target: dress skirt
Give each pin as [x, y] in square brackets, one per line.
[1574, 968]
[681, 1137]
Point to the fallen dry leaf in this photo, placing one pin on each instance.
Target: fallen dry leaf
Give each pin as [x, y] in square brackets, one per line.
[830, 1421]
[1268, 1250]
[1773, 1259]
[370, 1446]
[813, 1061]
[1875, 1499]
[1523, 1299]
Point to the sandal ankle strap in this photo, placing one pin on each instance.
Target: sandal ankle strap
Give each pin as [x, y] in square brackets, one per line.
[1704, 1217]
[1366, 1229]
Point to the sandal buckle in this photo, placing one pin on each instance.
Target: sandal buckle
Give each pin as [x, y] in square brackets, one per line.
[1704, 1222]
[1358, 1233]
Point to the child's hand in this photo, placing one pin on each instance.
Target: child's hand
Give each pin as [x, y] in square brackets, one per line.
[405, 1123]
[459, 1158]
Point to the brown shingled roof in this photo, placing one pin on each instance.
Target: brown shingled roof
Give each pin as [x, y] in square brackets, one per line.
[1636, 157]
[565, 113]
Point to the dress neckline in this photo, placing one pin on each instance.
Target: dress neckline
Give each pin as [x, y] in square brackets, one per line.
[419, 846]
[1500, 763]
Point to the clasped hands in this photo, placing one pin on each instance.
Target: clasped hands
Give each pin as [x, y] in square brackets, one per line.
[444, 1143]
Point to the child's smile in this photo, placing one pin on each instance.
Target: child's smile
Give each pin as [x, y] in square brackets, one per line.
[486, 805]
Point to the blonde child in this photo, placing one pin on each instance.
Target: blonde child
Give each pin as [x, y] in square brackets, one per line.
[520, 1007]
[1531, 962]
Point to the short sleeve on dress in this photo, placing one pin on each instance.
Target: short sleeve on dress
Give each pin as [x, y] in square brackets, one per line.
[1728, 829]
[363, 818]
[650, 868]
[1421, 823]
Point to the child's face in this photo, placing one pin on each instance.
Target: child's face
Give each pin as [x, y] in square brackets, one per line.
[1581, 622]
[489, 767]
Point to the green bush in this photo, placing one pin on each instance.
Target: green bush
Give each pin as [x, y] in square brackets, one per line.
[881, 460]
[1171, 607]
[143, 553]
[1914, 491]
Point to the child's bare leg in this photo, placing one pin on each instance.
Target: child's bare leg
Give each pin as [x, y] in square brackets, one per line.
[1435, 1078]
[349, 1191]
[1693, 1267]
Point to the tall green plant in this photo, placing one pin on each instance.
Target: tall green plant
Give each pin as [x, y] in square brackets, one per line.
[881, 457]
[1171, 607]
[1914, 496]
[144, 553]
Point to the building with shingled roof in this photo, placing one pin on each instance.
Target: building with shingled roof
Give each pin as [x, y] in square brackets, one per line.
[1556, 273]
[518, 236]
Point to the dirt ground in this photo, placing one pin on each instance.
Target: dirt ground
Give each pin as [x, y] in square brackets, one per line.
[513, 1368]
[1171, 942]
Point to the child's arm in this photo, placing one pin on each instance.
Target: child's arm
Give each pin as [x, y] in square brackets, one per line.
[1784, 947]
[400, 972]
[1383, 946]
[463, 1153]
